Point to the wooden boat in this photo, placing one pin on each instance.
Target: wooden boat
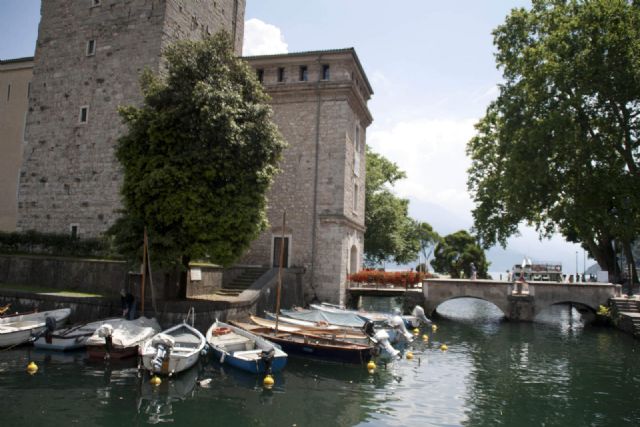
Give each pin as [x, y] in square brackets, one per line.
[416, 318]
[121, 338]
[23, 328]
[173, 350]
[311, 346]
[244, 350]
[332, 332]
[71, 338]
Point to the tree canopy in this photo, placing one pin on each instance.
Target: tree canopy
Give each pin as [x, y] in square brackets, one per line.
[391, 233]
[558, 148]
[455, 253]
[198, 158]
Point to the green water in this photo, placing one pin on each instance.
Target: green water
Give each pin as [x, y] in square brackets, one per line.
[554, 373]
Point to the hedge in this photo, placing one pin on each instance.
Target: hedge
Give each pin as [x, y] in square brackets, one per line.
[36, 243]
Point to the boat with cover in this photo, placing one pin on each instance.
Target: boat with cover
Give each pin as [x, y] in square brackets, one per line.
[173, 350]
[71, 338]
[23, 328]
[301, 344]
[244, 350]
[121, 338]
[416, 318]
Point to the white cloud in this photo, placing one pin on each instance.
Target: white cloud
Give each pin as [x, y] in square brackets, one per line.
[261, 38]
[432, 153]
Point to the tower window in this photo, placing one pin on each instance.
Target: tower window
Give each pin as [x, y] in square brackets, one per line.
[91, 47]
[84, 114]
[355, 197]
[325, 72]
[260, 74]
[8, 92]
[303, 73]
[74, 230]
[29, 90]
[96, 2]
[280, 74]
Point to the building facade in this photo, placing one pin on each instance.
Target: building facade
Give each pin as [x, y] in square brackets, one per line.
[15, 85]
[89, 56]
[319, 101]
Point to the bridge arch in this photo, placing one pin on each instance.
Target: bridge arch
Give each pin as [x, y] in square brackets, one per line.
[494, 303]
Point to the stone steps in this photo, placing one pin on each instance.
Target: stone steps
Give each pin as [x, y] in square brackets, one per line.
[242, 282]
[625, 305]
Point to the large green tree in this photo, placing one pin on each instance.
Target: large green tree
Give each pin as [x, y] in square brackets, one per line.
[455, 253]
[559, 149]
[198, 158]
[391, 233]
[428, 238]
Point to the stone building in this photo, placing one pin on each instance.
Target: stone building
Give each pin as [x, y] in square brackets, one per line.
[88, 59]
[15, 82]
[319, 101]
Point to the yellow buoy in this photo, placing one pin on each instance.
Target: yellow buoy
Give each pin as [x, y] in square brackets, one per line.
[32, 368]
[434, 327]
[409, 355]
[444, 347]
[155, 380]
[371, 366]
[268, 381]
[425, 338]
[416, 331]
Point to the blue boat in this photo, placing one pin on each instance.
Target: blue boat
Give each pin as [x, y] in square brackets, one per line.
[242, 349]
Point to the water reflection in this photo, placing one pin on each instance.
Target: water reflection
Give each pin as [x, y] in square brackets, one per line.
[156, 402]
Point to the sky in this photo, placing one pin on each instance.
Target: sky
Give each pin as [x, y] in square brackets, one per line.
[432, 68]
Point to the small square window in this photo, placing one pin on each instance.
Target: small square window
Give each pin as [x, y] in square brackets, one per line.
[303, 73]
[280, 75]
[91, 47]
[84, 114]
[325, 72]
[74, 230]
[96, 2]
[260, 74]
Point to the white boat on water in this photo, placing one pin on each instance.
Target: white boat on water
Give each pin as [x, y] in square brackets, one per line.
[20, 329]
[416, 318]
[121, 338]
[173, 350]
[71, 338]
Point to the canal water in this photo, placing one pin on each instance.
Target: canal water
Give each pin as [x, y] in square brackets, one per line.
[556, 372]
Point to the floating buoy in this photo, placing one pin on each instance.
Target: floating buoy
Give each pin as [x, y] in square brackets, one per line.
[155, 380]
[268, 382]
[444, 347]
[409, 355]
[425, 338]
[416, 331]
[32, 368]
[434, 327]
[371, 366]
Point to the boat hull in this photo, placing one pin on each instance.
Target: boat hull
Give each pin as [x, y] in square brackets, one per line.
[100, 351]
[20, 329]
[246, 359]
[188, 345]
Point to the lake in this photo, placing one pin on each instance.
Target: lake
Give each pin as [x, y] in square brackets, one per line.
[555, 372]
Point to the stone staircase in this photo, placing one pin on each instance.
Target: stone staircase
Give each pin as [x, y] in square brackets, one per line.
[242, 282]
[630, 309]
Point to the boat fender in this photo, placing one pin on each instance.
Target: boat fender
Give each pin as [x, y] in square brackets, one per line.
[221, 331]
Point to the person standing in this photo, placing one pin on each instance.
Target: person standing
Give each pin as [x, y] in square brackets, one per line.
[128, 305]
[474, 271]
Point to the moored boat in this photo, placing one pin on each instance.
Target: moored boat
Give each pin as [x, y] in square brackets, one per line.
[173, 350]
[121, 338]
[23, 328]
[311, 346]
[331, 331]
[71, 338]
[244, 350]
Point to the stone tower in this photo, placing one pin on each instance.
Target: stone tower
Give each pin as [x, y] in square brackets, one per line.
[319, 101]
[88, 59]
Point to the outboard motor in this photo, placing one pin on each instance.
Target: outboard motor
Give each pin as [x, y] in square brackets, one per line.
[418, 312]
[163, 344]
[369, 329]
[397, 323]
[50, 326]
[382, 337]
[106, 331]
[267, 356]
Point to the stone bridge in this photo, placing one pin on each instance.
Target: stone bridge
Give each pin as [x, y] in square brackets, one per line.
[518, 304]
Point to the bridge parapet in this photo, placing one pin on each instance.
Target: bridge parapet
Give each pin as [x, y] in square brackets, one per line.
[517, 302]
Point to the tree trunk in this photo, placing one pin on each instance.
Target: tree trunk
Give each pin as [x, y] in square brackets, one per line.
[631, 265]
[602, 251]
